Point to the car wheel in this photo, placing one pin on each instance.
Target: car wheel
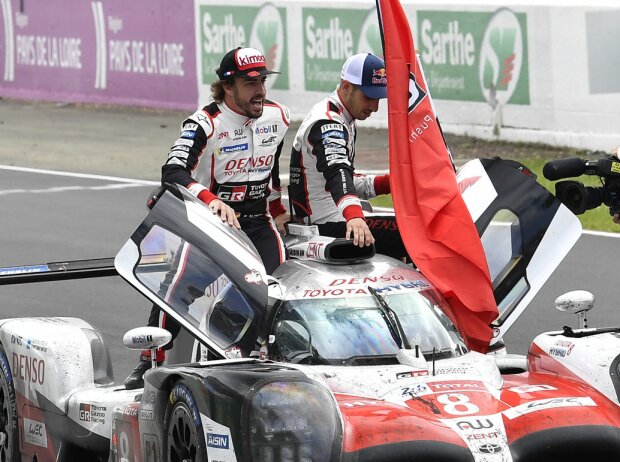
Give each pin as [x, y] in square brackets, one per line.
[9, 433]
[185, 439]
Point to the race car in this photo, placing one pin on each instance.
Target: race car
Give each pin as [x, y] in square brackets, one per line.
[340, 355]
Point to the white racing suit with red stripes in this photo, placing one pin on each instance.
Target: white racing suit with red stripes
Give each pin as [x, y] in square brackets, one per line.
[324, 190]
[225, 155]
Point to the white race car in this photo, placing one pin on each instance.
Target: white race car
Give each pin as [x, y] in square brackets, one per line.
[341, 355]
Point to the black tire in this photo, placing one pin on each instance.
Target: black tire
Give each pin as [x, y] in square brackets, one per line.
[9, 431]
[185, 439]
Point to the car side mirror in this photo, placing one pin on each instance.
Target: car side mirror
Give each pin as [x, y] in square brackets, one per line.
[577, 302]
[147, 338]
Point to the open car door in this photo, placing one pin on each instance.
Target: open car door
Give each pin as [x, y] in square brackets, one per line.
[203, 273]
[525, 231]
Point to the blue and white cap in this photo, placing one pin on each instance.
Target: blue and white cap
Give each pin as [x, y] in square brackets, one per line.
[367, 72]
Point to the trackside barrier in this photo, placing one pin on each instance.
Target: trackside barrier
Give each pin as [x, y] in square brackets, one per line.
[508, 70]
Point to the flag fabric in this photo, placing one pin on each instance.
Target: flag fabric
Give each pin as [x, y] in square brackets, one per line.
[434, 222]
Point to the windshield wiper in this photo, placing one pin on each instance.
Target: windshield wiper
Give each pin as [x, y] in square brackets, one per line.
[394, 325]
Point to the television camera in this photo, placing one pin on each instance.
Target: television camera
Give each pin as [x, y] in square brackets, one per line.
[574, 194]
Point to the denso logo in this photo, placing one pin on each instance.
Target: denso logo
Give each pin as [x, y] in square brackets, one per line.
[266, 129]
[252, 162]
[29, 369]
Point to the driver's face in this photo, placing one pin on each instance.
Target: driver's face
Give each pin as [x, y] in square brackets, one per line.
[246, 95]
[358, 104]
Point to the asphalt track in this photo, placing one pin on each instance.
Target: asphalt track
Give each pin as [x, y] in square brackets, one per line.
[58, 216]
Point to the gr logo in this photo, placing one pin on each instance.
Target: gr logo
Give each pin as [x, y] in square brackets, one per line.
[85, 412]
[232, 193]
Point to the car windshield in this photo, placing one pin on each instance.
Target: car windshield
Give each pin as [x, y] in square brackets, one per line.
[357, 330]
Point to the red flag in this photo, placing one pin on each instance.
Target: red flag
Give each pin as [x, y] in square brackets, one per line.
[434, 222]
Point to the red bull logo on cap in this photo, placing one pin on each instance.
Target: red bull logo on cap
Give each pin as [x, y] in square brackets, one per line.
[379, 76]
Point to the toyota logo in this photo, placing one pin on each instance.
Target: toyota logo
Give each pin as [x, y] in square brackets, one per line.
[490, 448]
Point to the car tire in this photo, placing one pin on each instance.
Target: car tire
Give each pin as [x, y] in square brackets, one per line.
[9, 431]
[184, 436]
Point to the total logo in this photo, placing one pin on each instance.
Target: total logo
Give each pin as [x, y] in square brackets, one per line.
[501, 57]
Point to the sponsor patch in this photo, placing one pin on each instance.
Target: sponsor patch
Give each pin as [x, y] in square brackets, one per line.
[532, 388]
[92, 413]
[336, 151]
[232, 193]
[550, 403]
[184, 142]
[333, 133]
[328, 127]
[334, 142]
[181, 148]
[178, 155]
[234, 148]
[266, 129]
[35, 433]
[192, 127]
[188, 134]
[561, 348]
[217, 441]
[24, 269]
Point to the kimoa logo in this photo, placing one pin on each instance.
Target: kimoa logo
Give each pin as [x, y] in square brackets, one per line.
[267, 35]
[501, 57]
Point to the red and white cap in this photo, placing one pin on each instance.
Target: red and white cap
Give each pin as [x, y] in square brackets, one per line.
[243, 62]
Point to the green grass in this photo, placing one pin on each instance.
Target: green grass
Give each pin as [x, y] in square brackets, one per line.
[597, 219]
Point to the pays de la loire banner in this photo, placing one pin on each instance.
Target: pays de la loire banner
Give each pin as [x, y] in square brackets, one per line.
[117, 52]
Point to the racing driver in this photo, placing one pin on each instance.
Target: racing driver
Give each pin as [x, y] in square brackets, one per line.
[324, 189]
[227, 155]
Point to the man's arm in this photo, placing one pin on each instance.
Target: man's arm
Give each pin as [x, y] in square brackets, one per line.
[184, 157]
[329, 141]
[276, 208]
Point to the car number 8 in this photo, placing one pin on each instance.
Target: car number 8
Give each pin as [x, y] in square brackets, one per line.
[457, 404]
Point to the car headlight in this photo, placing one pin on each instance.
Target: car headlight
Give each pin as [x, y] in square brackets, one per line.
[293, 422]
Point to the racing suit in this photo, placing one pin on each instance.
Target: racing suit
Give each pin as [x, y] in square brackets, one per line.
[324, 189]
[224, 155]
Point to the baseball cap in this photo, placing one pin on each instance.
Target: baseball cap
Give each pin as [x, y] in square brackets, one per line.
[367, 72]
[243, 62]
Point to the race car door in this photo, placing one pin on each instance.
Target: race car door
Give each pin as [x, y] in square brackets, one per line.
[525, 231]
[203, 273]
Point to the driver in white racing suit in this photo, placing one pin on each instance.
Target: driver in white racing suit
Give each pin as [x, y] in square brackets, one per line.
[227, 155]
[324, 189]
